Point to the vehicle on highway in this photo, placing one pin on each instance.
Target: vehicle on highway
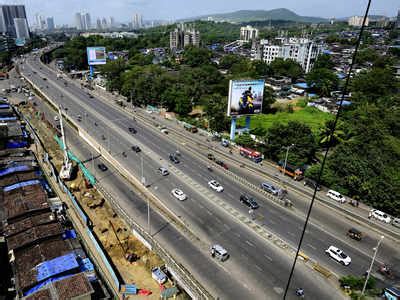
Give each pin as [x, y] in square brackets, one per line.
[65, 83]
[215, 186]
[79, 118]
[219, 252]
[174, 158]
[225, 143]
[291, 171]
[163, 171]
[178, 194]
[396, 222]
[312, 184]
[190, 127]
[380, 215]
[164, 130]
[102, 167]
[132, 130]
[136, 149]
[222, 164]
[251, 154]
[268, 187]
[354, 234]
[336, 196]
[338, 255]
[249, 201]
[44, 78]
[56, 118]
[210, 156]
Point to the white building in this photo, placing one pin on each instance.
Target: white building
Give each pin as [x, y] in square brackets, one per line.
[301, 50]
[21, 28]
[357, 21]
[248, 33]
[137, 21]
[78, 21]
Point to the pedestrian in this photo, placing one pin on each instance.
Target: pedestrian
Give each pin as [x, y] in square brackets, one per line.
[370, 215]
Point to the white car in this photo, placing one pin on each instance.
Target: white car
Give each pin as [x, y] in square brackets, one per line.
[338, 255]
[215, 186]
[380, 215]
[336, 196]
[178, 194]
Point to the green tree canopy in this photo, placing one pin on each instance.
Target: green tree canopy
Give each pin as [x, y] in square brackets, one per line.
[322, 80]
[195, 57]
[288, 67]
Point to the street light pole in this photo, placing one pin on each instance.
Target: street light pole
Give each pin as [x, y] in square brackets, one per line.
[286, 157]
[370, 267]
[142, 179]
[148, 217]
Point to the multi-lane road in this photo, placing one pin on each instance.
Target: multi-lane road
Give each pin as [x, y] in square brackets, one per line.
[263, 267]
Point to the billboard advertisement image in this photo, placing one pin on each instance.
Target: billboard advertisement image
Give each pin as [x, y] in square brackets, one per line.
[245, 97]
[96, 55]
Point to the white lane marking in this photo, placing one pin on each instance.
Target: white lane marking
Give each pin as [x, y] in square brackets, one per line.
[209, 212]
[227, 227]
[237, 234]
[201, 206]
[267, 257]
[291, 233]
[249, 243]
[258, 268]
[311, 246]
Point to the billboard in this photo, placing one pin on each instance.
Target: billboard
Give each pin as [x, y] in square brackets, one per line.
[245, 97]
[96, 55]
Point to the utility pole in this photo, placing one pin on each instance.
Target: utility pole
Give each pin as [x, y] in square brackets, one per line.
[370, 267]
[286, 157]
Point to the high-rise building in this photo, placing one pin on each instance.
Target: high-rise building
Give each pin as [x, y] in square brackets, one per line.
[78, 21]
[7, 24]
[182, 37]
[98, 24]
[301, 50]
[50, 24]
[137, 21]
[87, 21]
[112, 22]
[248, 33]
[21, 28]
[357, 21]
[104, 23]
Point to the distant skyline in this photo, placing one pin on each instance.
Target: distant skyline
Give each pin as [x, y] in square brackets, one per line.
[122, 10]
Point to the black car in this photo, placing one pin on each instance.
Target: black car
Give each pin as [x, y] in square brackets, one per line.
[136, 149]
[102, 167]
[249, 201]
[173, 158]
[132, 130]
[312, 184]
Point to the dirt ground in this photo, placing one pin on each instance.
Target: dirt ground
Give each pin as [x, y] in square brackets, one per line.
[110, 229]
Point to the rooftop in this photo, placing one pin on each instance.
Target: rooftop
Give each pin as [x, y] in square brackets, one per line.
[29, 222]
[17, 177]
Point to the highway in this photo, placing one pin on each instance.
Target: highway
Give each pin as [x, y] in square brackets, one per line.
[201, 215]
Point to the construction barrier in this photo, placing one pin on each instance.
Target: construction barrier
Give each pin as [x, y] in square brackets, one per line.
[324, 271]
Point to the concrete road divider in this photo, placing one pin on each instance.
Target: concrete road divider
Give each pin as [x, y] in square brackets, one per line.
[324, 271]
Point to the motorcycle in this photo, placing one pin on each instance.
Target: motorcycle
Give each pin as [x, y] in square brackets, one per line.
[386, 271]
[209, 168]
[300, 293]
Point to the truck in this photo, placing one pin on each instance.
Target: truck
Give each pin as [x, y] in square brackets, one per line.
[290, 170]
[190, 127]
[251, 154]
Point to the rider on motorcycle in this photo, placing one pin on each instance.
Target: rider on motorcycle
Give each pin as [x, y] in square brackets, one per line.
[300, 292]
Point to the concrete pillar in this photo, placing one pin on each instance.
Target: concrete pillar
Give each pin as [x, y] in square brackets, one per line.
[233, 128]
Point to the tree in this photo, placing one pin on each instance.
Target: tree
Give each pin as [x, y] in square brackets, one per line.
[280, 135]
[245, 140]
[268, 100]
[324, 61]
[112, 71]
[215, 109]
[5, 58]
[286, 67]
[194, 56]
[227, 61]
[329, 138]
[261, 68]
[183, 105]
[373, 84]
[322, 80]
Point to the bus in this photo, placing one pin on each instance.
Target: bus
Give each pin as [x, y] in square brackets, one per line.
[251, 154]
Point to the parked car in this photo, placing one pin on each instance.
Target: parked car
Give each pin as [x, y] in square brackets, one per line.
[136, 149]
[268, 187]
[219, 252]
[163, 171]
[249, 201]
[336, 196]
[215, 186]
[380, 215]
[102, 167]
[174, 158]
[158, 275]
[178, 194]
[222, 164]
[338, 255]
[312, 184]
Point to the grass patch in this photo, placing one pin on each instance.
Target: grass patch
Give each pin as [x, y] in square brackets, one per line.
[308, 115]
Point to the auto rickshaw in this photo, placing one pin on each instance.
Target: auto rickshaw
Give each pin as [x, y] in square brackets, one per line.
[354, 234]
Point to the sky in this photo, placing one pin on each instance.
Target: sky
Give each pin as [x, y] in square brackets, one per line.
[122, 10]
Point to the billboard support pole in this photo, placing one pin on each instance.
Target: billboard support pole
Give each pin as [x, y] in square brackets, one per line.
[233, 128]
[248, 122]
[91, 69]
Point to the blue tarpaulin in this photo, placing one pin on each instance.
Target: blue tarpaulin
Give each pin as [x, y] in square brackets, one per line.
[8, 118]
[56, 266]
[16, 144]
[69, 234]
[345, 103]
[4, 106]
[20, 185]
[11, 170]
[86, 265]
[302, 85]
